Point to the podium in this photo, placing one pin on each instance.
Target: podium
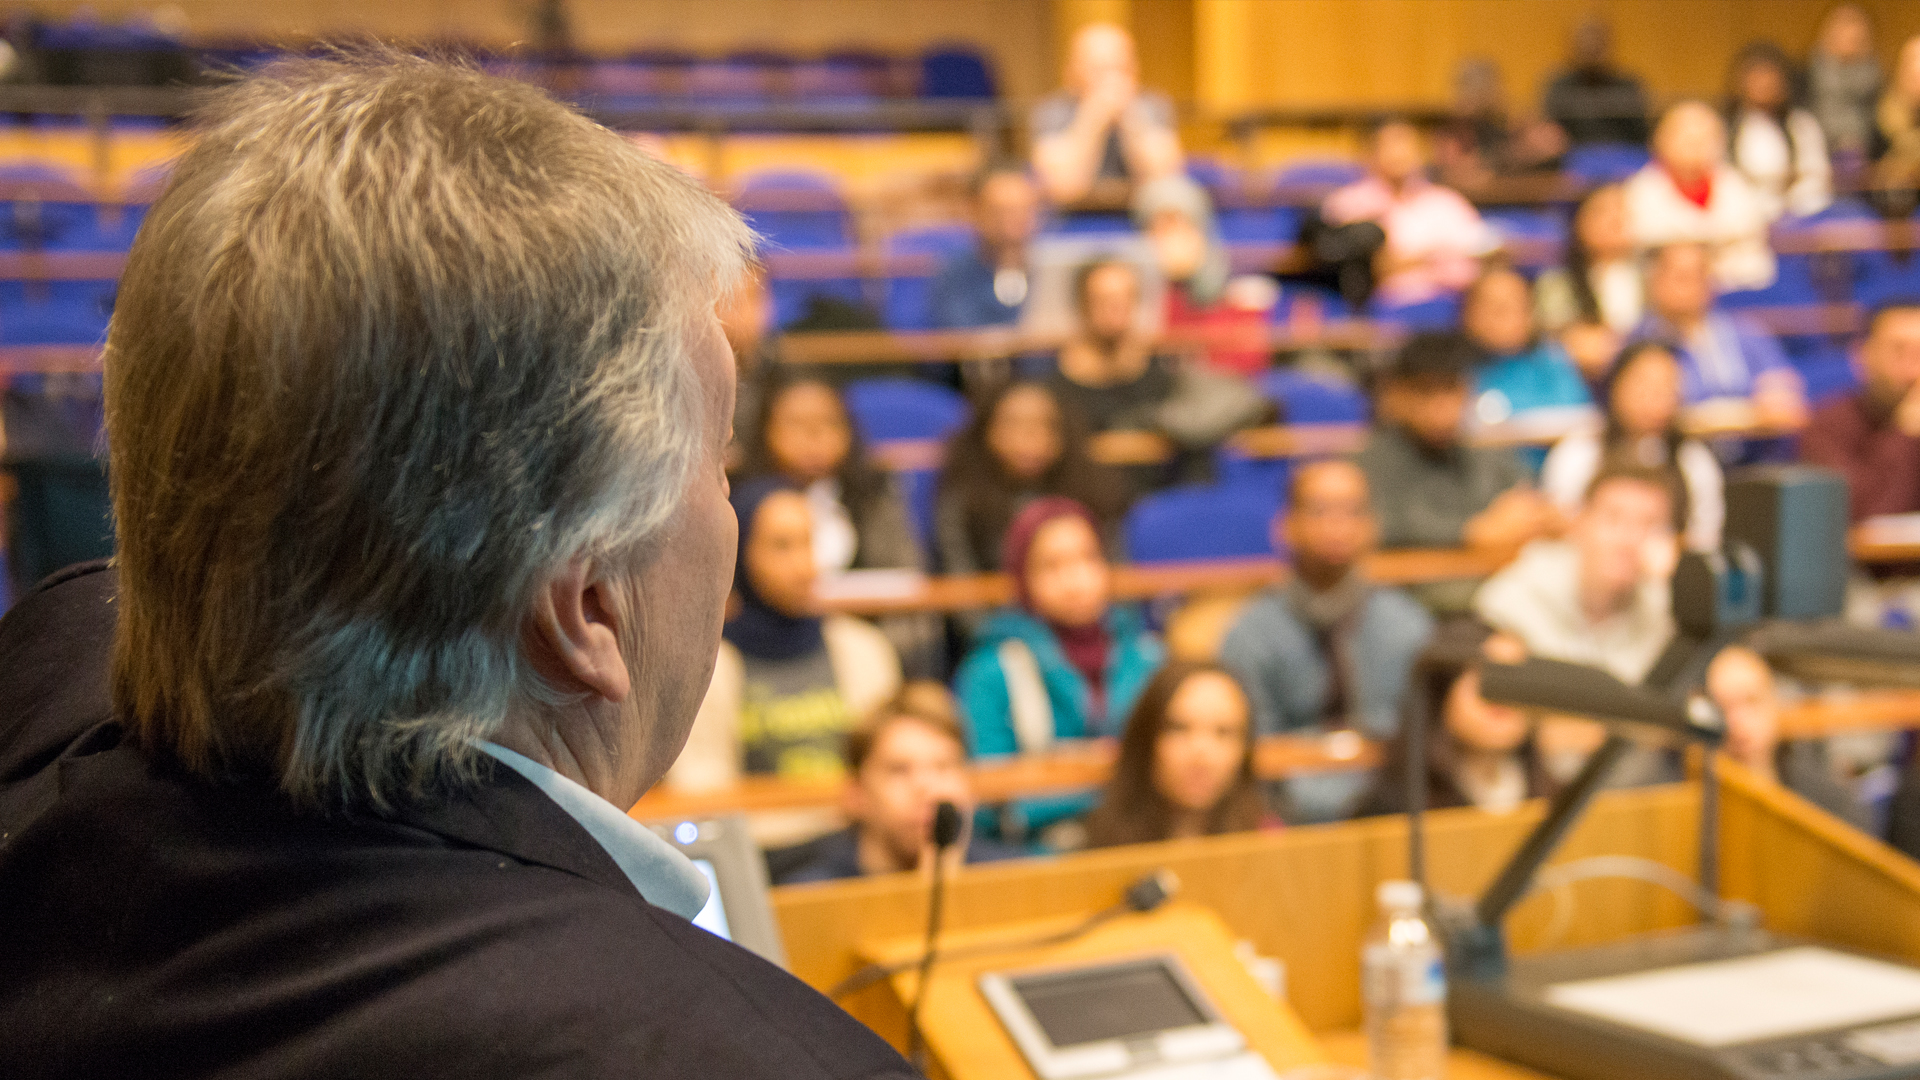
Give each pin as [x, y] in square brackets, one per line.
[1305, 895]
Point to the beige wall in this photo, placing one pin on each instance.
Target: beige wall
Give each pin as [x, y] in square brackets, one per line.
[1272, 52]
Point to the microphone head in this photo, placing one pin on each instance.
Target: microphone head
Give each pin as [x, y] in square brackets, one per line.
[946, 825]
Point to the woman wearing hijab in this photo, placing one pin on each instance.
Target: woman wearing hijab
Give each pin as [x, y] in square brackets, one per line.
[788, 685]
[1062, 662]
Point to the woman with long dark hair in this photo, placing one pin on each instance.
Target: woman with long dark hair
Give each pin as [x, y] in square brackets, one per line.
[1186, 762]
[1021, 444]
[1601, 282]
[1777, 145]
[1477, 753]
[804, 435]
[1642, 396]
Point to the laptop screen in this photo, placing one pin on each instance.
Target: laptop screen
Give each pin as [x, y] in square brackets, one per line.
[1121, 1001]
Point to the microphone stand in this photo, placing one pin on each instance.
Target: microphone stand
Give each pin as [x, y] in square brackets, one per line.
[946, 830]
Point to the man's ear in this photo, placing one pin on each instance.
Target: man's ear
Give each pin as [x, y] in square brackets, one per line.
[575, 632]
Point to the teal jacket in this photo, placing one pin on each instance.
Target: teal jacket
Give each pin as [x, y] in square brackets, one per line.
[981, 684]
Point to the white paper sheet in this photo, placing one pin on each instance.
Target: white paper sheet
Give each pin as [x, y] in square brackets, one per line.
[1772, 995]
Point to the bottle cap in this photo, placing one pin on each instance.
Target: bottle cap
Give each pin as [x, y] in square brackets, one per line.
[1400, 894]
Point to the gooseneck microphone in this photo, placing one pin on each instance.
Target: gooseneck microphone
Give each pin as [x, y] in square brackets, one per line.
[947, 825]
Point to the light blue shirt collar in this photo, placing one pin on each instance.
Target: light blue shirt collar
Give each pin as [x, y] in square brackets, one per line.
[664, 876]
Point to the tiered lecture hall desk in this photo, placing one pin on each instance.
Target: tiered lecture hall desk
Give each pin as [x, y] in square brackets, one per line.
[1305, 896]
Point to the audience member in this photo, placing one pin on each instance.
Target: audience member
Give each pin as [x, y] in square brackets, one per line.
[1526, 377]
[860, 522]
[1434, 236]
[1063, 662]
[1843, 81]
[901, 764]
[1776, 145]
[1895, 147]
[1110, 375]
[1177, 218]
[1872, 436]
[1481, 141]
[1429, 488]
[788, 683]
[1327, 650]
[1603, 282]
[1103, 126]
[1741, 684]
[1478, 753]
[1723, 357]
[1186, 763]
[1643, 428]
[986, 284]
[1593, 101]
[1600, 595]
[1688, 194]
[1020, 445]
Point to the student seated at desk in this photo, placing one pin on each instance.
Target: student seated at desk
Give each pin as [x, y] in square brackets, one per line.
[1177, 218]
[1725, 359]
[788, 684]
[1688, 194]
[1063, 662]
[910, 757]
[1186, 763]
[986, 285]
[1477, 753]
[804, 435]
[1327, 650]
[1602, 282]
[1872, 436]
[1525, 377]
[1642, 428]
[1021, 444]
[1110, 375]
[1434, 236]
[1741, 683]
[1429, 488]
[1599, 597]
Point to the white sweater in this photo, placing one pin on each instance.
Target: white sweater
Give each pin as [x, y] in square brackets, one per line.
[1733, 223]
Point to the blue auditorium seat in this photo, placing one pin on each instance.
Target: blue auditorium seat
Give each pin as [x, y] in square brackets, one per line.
[1824, 366]
[1440, 313]
[795, 209]
[1306, 398]
[1211, 521]
[956, 71]
[1604, 162]
[55, 312]
[895, 409]
[910, 296]
[45, 208]
[1330, 171]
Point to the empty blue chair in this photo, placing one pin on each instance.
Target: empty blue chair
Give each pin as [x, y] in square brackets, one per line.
[55, 312]
[1601, 163]
[1794, 283]
[1333, 172]
[45, 209]
[1258, 224]
[890, 410]
[956, 71]
[1306, 398]
[1213, 174]
[887, 410]
[910, 295]
[1440, 313]
[796, 209]
[1212, 521]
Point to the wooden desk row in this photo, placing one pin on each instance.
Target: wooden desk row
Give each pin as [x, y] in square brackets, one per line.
[1088, 765]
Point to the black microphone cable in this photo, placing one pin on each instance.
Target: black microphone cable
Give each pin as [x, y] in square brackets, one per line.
[1144, 895]
[946, 831]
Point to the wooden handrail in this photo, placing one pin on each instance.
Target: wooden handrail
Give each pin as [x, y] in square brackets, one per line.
[1088, 765]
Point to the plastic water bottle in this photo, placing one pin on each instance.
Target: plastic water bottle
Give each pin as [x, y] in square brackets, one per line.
[1403, 982]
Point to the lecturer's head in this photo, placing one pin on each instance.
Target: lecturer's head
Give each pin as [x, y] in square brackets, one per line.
[416, 402]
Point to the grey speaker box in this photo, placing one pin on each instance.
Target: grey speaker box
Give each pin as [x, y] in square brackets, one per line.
[1795, 518]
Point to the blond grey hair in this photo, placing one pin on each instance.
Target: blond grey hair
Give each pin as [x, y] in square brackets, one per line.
[398, 342]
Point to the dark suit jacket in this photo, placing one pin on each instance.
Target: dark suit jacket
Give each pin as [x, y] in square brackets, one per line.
[156, 924]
